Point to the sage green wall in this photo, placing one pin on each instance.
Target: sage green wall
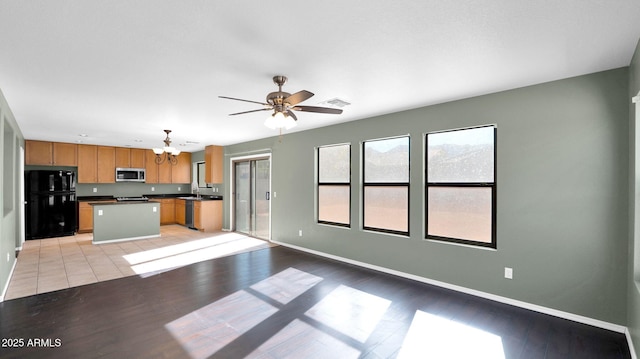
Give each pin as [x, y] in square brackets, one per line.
[633, 298]
[12, 142]
[121, 221]
[562, 195]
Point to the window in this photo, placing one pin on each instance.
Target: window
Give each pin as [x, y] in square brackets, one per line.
[386, 185]
[334, 185]
[461, 186]
[200, 174]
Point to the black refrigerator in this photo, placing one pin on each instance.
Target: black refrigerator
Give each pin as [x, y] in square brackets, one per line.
[50, 201]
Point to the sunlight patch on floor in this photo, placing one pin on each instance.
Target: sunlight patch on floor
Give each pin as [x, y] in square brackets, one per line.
[286, 285]
[309, 343]
[431, 336]
[205, 331]
[350, 311]
[179, 255]
[209, 329]
[172, 250]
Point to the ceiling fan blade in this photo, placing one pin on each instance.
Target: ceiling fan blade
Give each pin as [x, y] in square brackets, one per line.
[298, 97]
[239, 99]
[335, 111]
[242, 113]
[291, 114]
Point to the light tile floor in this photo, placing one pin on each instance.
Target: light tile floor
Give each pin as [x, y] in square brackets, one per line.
[51, 264]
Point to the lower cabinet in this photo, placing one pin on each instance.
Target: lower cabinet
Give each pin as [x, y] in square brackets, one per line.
[207, 215]
[85, 217]
[167, 210]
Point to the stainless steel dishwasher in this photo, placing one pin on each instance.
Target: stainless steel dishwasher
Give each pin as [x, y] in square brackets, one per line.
[188, 215]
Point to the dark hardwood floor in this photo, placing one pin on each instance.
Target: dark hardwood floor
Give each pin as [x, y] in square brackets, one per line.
[281, 303]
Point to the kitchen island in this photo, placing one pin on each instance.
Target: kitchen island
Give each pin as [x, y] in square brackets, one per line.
[125, 221]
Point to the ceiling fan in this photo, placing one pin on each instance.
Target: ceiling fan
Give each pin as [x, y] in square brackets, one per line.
[283, 104]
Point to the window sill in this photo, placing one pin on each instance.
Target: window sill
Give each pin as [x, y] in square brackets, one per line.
[461, 245]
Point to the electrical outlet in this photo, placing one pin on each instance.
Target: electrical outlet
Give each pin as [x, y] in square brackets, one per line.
[99, 212]
[8, 257]
[508, 273]
[155, 209]
[179, 188]
[153, 189]
[274, 195]
[95, 189]
[300, 233]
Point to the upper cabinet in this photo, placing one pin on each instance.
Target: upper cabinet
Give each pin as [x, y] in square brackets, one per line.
[106, 164]
[51, 153]
[166, 172]
[97, 164]
[181, 172]
[213, 164]
[87, 164]
[130, 157]
[137, 157]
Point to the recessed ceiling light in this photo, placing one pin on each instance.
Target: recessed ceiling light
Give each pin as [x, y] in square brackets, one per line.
[137, 140]
[83, 135]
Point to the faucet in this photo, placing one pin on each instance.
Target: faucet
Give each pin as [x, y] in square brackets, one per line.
[195, 187]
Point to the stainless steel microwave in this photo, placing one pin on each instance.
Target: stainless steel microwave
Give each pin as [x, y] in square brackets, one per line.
[130, 174]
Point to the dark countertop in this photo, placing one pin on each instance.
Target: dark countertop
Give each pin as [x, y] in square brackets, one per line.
[119, 203]
[185, 196]
[170, 195]
[95, 198]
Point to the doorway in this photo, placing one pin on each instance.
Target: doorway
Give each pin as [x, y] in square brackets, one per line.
[252, 195]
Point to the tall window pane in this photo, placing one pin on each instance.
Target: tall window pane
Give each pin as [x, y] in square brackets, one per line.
[386, 185]
[334, 184]
[461, 186]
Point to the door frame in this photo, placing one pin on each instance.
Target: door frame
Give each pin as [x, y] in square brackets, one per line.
[232, 182]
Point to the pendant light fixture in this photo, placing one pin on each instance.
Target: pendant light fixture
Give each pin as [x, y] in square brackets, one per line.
[167, 153]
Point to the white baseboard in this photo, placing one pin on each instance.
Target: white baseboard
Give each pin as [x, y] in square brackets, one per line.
[477, 293]
[6, 286]
[630, 342]
[125, 239]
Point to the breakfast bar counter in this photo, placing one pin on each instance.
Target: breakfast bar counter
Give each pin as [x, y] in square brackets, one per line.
[125, 221]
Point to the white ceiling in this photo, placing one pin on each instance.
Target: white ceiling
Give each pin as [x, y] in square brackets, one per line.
[124, 70]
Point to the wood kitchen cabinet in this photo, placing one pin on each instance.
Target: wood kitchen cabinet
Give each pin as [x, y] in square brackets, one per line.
[51, 153]
[213, 164]
[106, 164]
[137, 158]
[181, 172]
[166, 172]
[123, 157]
[87, 164]
[151, 167]
[130, 157]
[181, 211]
[85, 217]
[167, 210]
[207, 215]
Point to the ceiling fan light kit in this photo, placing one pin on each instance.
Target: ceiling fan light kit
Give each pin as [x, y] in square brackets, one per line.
[166, 153]
[279, 120]
[283, 104]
